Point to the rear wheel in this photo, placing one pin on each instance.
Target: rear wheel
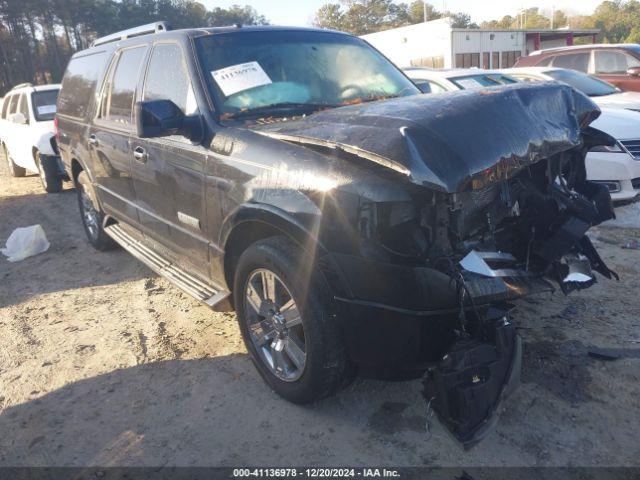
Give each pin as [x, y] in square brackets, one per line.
[49, 176]
[92, 216]
[283, 312]
[14, 170]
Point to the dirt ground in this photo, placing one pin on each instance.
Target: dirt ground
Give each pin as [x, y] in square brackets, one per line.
[104, 363]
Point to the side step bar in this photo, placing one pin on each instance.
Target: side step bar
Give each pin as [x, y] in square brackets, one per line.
[206, 293]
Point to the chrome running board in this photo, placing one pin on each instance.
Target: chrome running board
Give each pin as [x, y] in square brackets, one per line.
[206, 293]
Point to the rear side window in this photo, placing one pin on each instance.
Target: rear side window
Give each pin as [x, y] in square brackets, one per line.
[426, 86]
[5, 105]
[79, 83]
[44, 104]
[168, 79]
[13, 106]
[573, 61]
[545, 62]
[117, 99]
[610, 61]
[24, 106]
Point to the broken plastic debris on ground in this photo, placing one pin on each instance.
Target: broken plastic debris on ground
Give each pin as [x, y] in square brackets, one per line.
[25, 242]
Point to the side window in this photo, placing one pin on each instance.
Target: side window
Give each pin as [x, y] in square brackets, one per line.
[24, 106]
[117, 98]
[545, 62]
[437, 88]
[79, 83]
[13, 106]
[611, 61]
[168, 79]
[5, 106]
[525, 78]
[573, 61]
[423, 85]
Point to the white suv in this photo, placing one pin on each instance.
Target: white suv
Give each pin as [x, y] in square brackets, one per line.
[27, 133]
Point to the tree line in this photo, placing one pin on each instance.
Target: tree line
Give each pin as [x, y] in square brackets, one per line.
[618, 20]
[37, 37]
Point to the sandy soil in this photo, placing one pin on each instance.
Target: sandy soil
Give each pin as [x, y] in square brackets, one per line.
[104, 363]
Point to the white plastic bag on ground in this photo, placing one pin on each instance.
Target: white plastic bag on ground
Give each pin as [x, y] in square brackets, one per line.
[25, 242]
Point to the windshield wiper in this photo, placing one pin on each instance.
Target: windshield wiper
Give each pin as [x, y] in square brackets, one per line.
[281, 108]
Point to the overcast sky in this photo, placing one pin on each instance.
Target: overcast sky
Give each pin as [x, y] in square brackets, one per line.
[301, 12]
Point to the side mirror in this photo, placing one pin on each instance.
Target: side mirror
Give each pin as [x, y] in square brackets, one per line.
[633, 71]
[163, 118]
[18, 118]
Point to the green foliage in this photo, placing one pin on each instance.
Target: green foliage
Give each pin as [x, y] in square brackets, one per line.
[618, 20]
[37, 37]
[360, 17]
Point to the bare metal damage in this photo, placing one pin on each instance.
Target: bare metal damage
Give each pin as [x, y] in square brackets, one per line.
[442, 210]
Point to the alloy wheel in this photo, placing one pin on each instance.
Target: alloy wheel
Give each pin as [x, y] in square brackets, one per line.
[275, 325]
[89, 214]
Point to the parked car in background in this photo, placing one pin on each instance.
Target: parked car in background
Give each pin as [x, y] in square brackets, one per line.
[297, 176]
[618, 64]
[602, 93]
[616, 166]
[27, 134]
[430, 80]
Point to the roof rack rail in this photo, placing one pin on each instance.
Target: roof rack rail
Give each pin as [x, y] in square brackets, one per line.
[22, 85]
[147, 29]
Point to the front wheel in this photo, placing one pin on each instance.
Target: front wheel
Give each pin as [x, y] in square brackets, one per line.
[14, 170]
[283, 311]
[92, 216]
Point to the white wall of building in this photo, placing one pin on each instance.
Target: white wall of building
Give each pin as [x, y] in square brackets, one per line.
[470, 41]
[404, 44]
[417, 45]
[486, 41]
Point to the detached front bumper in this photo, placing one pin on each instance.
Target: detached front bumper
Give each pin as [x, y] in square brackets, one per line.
[53, 167]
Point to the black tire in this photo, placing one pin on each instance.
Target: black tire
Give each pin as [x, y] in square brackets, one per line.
[96, 235]
[14, 170]
[49, 176]
[326, 367]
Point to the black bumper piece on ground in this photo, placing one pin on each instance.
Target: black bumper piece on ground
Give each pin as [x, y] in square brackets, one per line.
[53, 167]
[466, 389]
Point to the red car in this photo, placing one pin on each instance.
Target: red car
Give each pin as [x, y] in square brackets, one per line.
[618, 64]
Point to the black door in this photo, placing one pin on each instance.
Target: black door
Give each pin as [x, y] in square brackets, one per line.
[168, 172]
[109, 137]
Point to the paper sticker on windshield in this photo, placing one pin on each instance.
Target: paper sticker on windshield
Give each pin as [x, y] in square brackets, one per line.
[46, 109]
[240, 77]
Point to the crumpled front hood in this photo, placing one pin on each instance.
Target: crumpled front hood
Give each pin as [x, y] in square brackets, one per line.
[443, 141]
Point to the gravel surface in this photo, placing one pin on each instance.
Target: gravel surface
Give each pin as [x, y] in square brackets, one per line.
[104, 363]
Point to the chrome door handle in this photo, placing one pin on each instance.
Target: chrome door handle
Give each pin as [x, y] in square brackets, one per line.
[140, 154]
[93, 140]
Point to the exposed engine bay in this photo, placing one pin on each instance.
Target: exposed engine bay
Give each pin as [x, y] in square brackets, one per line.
[515, 236]
[497, 243]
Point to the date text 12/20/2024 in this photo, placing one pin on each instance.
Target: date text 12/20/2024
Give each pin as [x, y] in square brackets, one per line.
[315, 473]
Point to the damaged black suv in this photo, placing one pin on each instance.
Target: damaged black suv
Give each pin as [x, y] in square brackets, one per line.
[299, 178]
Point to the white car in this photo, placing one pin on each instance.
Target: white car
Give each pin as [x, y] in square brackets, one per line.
[430, 80]
[602, 93]
[27, 133]
[618, 167]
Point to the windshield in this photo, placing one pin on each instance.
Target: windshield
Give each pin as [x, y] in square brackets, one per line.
[271, 73]
[44, 104]
[469, 82]
[590, 86]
